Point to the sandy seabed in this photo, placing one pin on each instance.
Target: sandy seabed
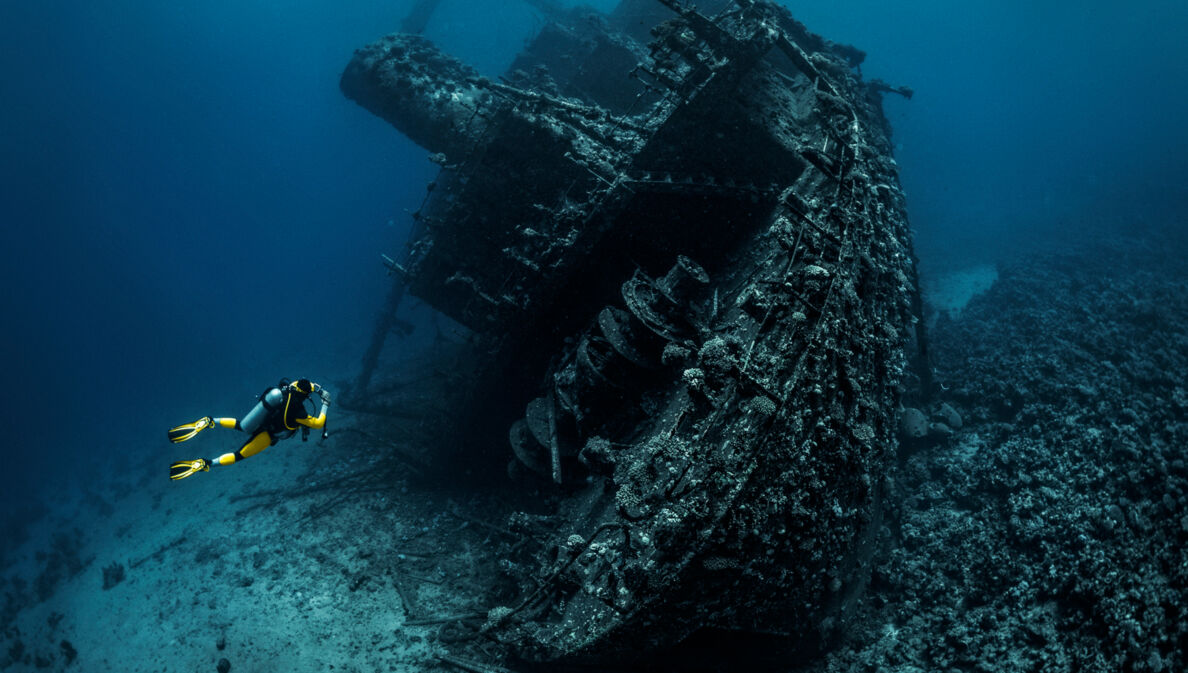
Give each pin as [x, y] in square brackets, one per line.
[294, 560]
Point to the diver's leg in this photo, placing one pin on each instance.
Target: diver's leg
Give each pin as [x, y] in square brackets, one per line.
[226, 422]
[259, 442]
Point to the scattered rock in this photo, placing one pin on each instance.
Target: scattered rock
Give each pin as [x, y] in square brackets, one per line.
[224, 665]
[597, 454]
[913, 424]
[939, 430]
[62, 561]
[496, 616]
[946, 414]
[815, 272]
[112, 575]
[675, 355]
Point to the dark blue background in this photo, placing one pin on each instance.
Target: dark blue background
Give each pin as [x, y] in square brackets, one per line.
[191, 209]
[1032, 121]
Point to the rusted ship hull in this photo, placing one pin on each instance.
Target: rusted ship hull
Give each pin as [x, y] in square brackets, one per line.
[704, 289]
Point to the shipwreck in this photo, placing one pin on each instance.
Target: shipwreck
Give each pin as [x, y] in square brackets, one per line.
[678, 238]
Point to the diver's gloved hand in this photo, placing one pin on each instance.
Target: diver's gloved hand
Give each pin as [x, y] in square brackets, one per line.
[325, 397]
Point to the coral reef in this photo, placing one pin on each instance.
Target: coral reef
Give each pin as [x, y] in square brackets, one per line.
[1049, 533]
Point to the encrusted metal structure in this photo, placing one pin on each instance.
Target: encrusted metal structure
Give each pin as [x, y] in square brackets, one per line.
[685, 255]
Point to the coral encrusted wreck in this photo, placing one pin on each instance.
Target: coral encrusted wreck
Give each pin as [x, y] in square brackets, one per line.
[679, 238]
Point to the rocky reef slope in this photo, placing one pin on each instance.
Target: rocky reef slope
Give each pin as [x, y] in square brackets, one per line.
[1048, 534]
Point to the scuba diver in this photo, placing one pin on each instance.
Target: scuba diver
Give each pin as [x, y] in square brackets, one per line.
[277, 415]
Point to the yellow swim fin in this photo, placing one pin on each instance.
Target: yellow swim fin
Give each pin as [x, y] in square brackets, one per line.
[184, 468]
[183, 432]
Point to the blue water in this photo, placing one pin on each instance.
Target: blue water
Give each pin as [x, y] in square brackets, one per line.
[191, 209]
[1030, 119]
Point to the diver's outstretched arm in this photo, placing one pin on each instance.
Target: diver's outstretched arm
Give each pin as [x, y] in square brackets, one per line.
[318, 422]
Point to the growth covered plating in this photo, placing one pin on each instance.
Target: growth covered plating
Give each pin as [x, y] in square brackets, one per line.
[685, 255]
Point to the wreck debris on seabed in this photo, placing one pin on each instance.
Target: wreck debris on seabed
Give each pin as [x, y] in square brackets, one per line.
[678, 238]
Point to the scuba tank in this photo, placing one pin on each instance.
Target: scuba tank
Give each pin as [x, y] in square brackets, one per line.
[269, 404]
